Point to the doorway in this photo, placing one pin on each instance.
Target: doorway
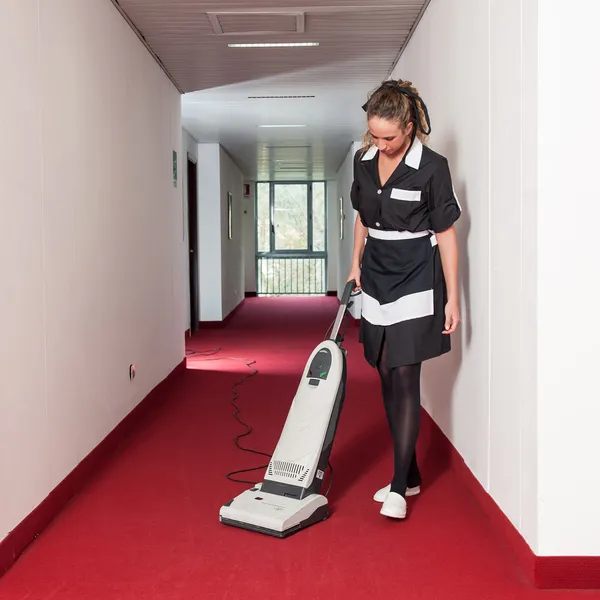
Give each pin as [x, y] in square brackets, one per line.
[192, 189]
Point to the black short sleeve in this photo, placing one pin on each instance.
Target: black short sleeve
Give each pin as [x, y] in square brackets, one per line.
[355, 187]
[354, 195]
[444, 208]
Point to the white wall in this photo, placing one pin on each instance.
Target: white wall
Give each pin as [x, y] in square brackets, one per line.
[517, 394]
[480, 91]
[90, 238]
[232, 250]
[346, 245]
[189, 147]
[569, 280]
[221, 259]
[209, 232]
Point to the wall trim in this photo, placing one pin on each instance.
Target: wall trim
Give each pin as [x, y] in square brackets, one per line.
[19, 539]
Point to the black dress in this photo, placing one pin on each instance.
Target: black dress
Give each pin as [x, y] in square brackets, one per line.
[403, 286]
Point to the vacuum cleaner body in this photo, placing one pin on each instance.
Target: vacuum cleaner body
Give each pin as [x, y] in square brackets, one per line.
[289, 499]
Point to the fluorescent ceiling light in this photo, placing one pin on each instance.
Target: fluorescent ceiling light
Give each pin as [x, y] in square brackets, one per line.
[276, 45]
[282, 125]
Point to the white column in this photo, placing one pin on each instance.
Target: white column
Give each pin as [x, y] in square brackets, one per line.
[568, 278]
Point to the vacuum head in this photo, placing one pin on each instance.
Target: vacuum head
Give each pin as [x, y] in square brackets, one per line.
[289, 498]
[271, 514]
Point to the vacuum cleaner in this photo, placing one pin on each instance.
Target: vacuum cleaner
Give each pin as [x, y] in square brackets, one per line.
[290, 499]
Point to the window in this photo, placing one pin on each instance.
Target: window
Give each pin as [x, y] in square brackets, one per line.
[291, 238]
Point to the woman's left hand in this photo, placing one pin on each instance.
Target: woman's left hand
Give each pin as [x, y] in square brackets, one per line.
[452, 317]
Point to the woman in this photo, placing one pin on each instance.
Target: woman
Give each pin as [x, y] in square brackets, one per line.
[405, 261]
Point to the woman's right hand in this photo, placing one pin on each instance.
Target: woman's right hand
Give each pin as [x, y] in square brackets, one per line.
[355, 274]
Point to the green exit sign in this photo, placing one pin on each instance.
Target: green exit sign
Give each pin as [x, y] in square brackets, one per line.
[174, 168]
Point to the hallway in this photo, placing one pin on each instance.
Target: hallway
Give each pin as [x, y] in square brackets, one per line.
[166, 164]
[147, 526]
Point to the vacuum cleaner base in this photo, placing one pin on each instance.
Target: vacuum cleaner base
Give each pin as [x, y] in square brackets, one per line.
[278, 516]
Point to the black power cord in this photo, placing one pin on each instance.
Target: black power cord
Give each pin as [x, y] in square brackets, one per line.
[249, 363]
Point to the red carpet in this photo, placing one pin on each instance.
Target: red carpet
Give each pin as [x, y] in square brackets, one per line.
[147, 526]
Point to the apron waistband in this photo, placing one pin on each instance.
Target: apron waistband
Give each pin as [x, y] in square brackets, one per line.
[401, 235]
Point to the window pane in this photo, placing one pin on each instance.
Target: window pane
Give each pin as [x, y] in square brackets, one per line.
[291, 216]
[262, 218]
[319, 217]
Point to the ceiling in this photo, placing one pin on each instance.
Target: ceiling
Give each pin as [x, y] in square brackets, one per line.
[229, 93]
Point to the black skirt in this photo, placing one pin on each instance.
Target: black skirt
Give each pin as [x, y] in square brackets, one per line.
[403, 298]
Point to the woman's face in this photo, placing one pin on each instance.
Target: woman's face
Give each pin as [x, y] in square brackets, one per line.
[388, 136]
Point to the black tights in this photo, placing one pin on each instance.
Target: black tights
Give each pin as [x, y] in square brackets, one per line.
[402, 400]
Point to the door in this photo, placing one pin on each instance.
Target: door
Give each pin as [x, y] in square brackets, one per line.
[193, 244]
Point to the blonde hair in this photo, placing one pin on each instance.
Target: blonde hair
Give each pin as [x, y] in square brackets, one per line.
[399, 102]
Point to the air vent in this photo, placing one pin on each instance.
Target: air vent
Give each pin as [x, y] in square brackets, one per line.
[290, 168]
[287, 147]
[256, 22]
[303, 476]
[287, 469]
[277, 97]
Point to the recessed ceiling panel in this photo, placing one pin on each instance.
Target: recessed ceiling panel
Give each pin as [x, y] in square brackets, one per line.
[256, 23]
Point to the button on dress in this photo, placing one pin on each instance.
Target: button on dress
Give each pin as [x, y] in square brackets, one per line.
[403, 286]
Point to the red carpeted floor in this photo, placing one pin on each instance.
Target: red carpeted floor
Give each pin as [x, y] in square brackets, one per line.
[147, 526]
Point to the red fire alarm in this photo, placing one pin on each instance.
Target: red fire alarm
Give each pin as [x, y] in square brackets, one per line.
[246, 189]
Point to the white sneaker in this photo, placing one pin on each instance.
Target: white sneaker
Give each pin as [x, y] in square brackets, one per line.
[381, 494]
[394, 506]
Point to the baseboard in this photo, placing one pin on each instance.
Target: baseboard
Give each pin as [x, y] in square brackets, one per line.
[30, 528]
[255, 294]
[223, 322]
[543, 572]
[567, 572]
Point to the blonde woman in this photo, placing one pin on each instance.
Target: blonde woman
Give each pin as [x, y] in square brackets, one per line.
[405, 261]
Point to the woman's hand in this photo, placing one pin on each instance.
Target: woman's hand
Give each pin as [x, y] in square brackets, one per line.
[360, 234]
[449, 255]
[355, 274]
[452, 317]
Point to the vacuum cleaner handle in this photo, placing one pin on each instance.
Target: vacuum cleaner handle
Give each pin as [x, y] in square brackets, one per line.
[348, 292]
[342, 310]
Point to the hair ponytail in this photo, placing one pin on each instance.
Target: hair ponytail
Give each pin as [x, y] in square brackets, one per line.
[400, 102]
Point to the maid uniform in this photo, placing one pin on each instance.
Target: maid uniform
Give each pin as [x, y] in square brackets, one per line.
[403, 286]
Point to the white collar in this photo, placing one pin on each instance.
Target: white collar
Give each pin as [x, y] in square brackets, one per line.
[370, 153]
[412, 158]
[414, 155]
